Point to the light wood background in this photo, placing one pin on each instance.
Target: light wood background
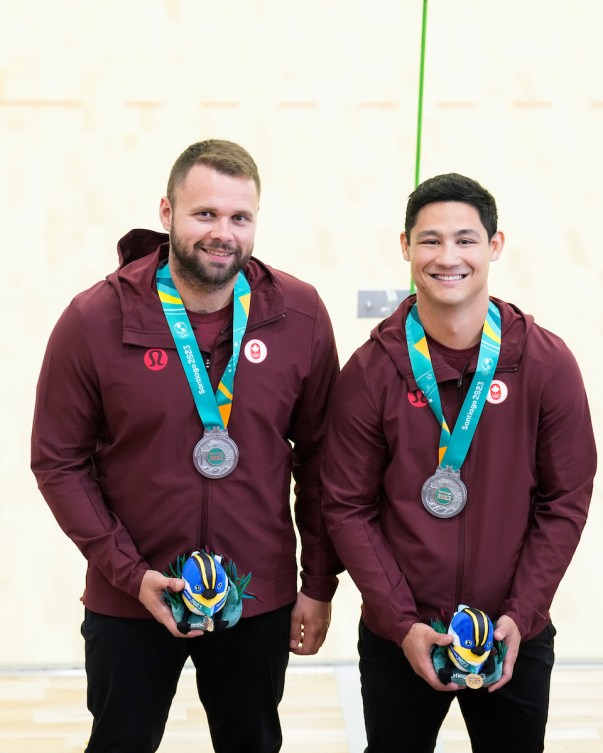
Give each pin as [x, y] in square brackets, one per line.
[321, 711]
[96, 102]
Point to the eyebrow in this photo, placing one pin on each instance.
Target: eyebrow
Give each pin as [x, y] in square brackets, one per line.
[457, 233]
[206, 208]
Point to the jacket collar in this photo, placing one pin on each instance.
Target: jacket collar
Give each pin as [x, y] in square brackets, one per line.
[390, 334]
[140, 252]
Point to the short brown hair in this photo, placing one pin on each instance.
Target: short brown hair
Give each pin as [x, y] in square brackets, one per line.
[224, 157]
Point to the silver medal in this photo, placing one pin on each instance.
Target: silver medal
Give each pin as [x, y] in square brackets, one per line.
[444, 494]
[216, 454]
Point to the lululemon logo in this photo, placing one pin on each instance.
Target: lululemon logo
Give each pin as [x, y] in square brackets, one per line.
[155, 359]
[417, 399]
[497, 393]
[255, 351]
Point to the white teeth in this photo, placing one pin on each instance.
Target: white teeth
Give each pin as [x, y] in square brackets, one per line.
[448, 278]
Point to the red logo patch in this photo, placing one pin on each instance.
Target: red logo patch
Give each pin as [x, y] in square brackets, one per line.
[498, 392]
[255, 351]
[417, 399]
[155, 359]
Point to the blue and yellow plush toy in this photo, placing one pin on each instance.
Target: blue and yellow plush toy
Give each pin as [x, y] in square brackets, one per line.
[213, 594]
[474, 659]
[206, 584]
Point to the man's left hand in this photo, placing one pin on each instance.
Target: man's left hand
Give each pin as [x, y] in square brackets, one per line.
[506, 631]
[310, 621]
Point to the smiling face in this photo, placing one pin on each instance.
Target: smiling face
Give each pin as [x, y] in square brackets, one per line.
[450, 254]
[211, 221]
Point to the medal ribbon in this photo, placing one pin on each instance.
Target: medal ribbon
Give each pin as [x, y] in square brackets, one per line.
[453, 449]
[214, 409]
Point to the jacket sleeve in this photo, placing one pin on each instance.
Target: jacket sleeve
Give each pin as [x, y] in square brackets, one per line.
[319, 562]
[566, 465]
[355, 461]
[67, 429]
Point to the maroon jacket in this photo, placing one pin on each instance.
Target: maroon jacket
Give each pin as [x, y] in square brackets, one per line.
[529, 475]
[115, 426]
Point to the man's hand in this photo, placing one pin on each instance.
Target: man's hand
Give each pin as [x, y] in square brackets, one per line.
[310, 621]
[507, 631]
[417, 647]
[151, 596]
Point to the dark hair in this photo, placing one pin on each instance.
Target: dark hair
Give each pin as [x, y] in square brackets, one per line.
[224, 157]
[452, 187]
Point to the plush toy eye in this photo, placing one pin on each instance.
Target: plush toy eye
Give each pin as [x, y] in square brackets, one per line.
[468, 643]
[197, 588]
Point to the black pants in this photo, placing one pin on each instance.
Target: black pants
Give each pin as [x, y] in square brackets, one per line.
[403, 714]
[133, 667]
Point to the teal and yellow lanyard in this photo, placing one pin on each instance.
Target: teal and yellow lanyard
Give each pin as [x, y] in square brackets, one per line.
[453, 449]
[214, 409]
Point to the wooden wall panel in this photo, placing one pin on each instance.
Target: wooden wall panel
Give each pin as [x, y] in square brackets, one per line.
[97, 102]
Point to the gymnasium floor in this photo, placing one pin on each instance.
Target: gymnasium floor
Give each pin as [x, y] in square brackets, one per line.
[45, 712]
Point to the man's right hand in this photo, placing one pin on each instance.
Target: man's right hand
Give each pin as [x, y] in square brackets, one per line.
[417, 647]
[151, 596]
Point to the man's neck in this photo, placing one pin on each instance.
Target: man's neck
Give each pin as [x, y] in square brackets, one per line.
[458, 329]
[202, 298]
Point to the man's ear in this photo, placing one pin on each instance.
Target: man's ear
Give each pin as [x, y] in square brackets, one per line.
[496, 245]
[405, 248]
[165, 213]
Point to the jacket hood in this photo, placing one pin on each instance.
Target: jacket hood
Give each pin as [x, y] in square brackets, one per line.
[390, 334]
[139, 243]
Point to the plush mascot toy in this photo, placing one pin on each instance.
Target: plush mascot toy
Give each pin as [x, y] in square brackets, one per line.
[474, 658]
[206, 585]
[213, 595]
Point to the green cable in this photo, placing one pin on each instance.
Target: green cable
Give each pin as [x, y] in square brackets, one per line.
[420, 108]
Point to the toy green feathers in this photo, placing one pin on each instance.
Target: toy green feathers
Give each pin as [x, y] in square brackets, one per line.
[212, 598]
[474, 659]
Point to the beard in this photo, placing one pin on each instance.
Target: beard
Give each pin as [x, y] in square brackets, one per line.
[200, 272]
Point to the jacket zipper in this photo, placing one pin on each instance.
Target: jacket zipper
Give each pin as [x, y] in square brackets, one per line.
[205, 486]
[460, 571]
[459, 382]
[499, 370]
[204, 517]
